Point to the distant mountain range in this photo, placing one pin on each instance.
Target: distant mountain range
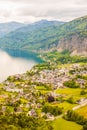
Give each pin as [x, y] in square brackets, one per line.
[48, 35]
[6, 28]
[34, 36]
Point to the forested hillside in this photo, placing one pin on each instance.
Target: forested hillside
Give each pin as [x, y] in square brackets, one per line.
[6, 28]
[40, 35]
[45, 35]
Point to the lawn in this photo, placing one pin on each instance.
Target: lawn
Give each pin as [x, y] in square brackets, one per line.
[74, 92]
[66, 105]
[61, 124]
[68, 91]
[83, 111]
[43, 89]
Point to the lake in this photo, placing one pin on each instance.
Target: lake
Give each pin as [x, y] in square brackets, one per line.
[16, 62]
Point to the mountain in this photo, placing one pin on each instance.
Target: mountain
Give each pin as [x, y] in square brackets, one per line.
[73, 37]
[48, 35]
[6, 28]
[76, 45]
[46, 23]
[34, 36]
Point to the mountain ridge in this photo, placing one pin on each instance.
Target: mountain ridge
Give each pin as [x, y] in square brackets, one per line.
[46, 35]
[31, 34]
[8, 27]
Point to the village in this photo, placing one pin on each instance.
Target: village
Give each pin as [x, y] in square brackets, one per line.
[57, 77]
[20, 93]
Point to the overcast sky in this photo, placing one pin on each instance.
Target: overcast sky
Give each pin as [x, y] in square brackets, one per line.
[34, 10]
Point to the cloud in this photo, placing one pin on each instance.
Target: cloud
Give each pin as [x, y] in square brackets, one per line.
[81, 2]
[38, 9]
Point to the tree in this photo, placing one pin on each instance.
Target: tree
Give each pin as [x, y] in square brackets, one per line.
[71, 84]
[85, 127]
[50, 98]
[70, 100]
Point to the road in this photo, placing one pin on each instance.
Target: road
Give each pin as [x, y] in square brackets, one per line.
[74, 108]
[79, 106]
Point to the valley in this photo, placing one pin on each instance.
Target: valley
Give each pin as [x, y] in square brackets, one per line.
[49, 35]
[51, 91]
[45, 93]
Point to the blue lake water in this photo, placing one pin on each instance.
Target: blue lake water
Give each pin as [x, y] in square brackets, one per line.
[16, 62]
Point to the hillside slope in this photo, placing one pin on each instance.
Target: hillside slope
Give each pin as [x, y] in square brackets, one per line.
[76, 45]
[6, 28]
[74, 37]
[45, 35]
[40, 34]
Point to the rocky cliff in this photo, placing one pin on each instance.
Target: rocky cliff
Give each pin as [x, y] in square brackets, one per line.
[75, 44]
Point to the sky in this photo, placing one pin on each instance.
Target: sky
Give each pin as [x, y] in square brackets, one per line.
[34, 10]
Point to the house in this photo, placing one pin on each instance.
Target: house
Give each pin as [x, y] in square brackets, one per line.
[82, 101]
[32, 112]
[43, 114]
[18, 110]
[3, 108]
[81, 82]
[50, 116]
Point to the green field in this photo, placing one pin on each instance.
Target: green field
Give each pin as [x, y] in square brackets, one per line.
[83, 111]
[66, 106]
[68, 92]
[61, 124]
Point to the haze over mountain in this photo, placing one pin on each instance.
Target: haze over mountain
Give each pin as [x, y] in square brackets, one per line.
[6, 28]
[45, 35]
[39, 34]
